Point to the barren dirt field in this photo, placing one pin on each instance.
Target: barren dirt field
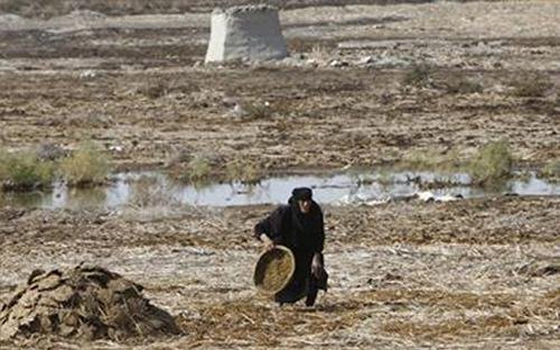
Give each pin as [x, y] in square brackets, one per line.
[365, 86]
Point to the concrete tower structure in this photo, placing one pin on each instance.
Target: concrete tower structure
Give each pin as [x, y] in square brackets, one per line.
[246, 33]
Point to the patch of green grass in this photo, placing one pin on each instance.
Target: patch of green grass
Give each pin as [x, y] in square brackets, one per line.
[491, 164]
[87, 166]
[22, 171]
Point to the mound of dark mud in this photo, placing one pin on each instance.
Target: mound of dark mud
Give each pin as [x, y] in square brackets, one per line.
[86, 302]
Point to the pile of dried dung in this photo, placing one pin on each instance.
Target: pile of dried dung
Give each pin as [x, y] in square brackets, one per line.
[274, 270]
[84, 302]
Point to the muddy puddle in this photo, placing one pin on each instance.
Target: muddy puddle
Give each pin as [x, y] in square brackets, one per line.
[144, 189]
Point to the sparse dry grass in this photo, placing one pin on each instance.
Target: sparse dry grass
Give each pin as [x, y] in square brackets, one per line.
[265, 324]
[492, 163]
[440, 298]
[551, 300]
[244, 171]
[453, 328]
[154, 88]
[86, 166]
[551, 170]
[463, 85]
[198, 169]
[432, 160]
[418, 75]
[320, 53]
[531, 84]
[256, 110]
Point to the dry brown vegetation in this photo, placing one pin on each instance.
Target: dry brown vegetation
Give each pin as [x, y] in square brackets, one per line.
[485, 271]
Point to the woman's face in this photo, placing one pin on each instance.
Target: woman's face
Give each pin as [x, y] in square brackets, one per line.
[304, 206]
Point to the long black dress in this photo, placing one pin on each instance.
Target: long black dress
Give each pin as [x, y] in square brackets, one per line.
[304, 235]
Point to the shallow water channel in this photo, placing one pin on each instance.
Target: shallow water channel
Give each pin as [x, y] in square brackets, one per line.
[154, 188]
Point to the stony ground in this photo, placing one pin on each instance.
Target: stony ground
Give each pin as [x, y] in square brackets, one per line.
[481, 273]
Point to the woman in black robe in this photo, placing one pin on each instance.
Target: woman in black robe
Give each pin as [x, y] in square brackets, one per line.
[298, 226]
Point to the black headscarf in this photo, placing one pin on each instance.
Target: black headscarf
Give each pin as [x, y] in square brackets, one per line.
[302, 194]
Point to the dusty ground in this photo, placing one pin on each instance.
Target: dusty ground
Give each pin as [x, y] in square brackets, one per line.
[464, 274]
[135, 82]
[471, 274]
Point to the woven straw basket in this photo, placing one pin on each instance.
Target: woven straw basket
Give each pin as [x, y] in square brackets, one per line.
[274, 270]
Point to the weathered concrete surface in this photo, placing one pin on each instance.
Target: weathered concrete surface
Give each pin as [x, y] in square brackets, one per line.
[248, 33]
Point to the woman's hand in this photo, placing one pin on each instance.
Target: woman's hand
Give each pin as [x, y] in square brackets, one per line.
[317, 264]
[268, 243]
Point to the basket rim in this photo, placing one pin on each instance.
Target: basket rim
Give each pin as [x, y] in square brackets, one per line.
[287, 280]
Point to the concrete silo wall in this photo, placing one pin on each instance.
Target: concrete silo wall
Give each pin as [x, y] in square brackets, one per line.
[246, 32]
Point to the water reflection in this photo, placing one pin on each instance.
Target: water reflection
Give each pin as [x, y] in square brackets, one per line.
[85, 198]
[147, 189]
[31, 199]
